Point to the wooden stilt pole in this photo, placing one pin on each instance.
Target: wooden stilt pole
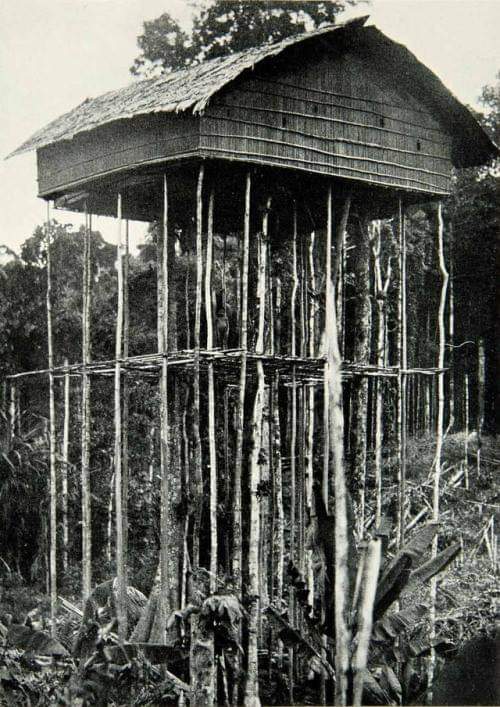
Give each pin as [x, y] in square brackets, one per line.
[439, 435]
[85, 411]
[251, 698]
[163, 608]
[336, 434]
[52, 439]
[64, 471]
[311, 413]
[402, 375]
[238, 465]
[237, 538]
[211, 399]
[12, 411]
[467, 431]
[121, 611]
[126, 402]
[293, 440]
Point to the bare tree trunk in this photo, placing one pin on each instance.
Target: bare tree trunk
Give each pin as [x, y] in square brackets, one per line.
[251, 698]
[439, 435]
[52, 441]
[336, 435]
[121, 589]
[359, 397]
[381, 289]
[64, 470]
[365, 617]
[451, 324]
[85, 412]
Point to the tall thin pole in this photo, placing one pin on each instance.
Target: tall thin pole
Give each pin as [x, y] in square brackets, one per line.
[440, 427]
[126, 395]
[64, 469]
[211, 398]
[252, 681]
[237, 557]
[120, 559]
[52, 440]
[237, 536]
[85, 459]
[402, 375]
[160, 621]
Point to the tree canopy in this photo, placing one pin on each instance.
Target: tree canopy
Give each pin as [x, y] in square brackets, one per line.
[224, 27]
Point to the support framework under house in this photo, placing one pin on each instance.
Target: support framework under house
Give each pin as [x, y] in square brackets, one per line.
[249, 161]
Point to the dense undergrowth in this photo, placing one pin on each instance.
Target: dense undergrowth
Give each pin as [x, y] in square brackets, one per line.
[38, 670]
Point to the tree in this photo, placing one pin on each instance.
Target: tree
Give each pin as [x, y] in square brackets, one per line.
[224, 27]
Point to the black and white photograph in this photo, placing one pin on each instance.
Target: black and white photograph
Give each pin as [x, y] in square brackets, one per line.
[249, 348]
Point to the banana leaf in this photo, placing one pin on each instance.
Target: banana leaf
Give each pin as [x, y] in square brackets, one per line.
[433, 566]
[397, 573]
[390, 626]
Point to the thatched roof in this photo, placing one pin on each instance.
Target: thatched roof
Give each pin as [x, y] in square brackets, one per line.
[192, 88]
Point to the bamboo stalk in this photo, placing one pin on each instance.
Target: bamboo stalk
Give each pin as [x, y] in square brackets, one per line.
[211, 399]
[52, 440]
[439, 435]
[64, 471]
[251, 697]
[85, 412]
[336, 434]
[121, 611]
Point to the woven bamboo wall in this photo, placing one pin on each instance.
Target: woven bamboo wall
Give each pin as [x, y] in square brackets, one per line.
[336, 116]
[115, 147]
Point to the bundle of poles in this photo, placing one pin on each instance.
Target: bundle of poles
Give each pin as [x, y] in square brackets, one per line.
[311, 374]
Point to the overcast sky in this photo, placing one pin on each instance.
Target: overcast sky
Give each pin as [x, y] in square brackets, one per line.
[56, 53]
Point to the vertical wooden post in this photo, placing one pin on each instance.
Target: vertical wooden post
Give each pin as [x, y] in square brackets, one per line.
[402, 375]
[163, 608]
[466, 443]
[252, 682]
[121, 611]
[451, 324]
[238, 464]
[440, 430]
[126, 401]
[311, 411]
[85, 405]
[12, 410]
[336, 435]
[64, 469]
[480, 400]
[211, 398]
[237, 538]
[52, 440]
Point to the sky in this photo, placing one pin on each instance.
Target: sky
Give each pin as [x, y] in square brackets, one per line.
[56, 53]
